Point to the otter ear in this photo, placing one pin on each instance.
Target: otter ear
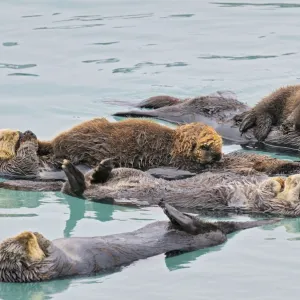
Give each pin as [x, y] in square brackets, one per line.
[30, 244]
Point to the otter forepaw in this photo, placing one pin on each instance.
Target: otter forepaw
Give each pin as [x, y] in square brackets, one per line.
[263, 127]
[248, 121]
[287, 126]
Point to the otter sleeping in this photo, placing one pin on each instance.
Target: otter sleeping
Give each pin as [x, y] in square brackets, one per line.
[195, 148]
[30, 257]
[225, 191]
[271, 121]
[137, 144]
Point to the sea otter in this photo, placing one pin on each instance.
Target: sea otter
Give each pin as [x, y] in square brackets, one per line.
[224, 191]
[138, 144]
[30, 257]
[282, 107]
[28, 163]
[218, 191]
[227, 116]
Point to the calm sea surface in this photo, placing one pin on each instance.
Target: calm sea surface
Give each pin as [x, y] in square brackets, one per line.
[62, 62]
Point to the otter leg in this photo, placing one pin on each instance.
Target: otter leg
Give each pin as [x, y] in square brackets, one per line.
[101, 173]
[76, 179]
[158, 102]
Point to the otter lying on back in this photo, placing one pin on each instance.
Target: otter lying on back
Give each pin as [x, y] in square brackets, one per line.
[192, 147]
[30, 257]
[212, 191]
[271, 121]
[138, 144]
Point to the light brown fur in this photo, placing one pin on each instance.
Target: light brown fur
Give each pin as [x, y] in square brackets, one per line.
[8, 141]
[137, 143]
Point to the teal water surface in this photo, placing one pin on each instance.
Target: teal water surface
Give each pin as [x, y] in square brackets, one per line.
[62, 62]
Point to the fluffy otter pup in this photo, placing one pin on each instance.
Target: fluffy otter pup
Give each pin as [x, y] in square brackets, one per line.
[30, 257]
[225, 191]
[137, 144]
[280, 107]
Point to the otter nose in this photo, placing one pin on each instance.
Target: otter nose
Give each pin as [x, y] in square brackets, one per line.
[217, 156]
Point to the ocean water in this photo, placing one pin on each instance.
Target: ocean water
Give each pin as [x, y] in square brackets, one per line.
[62, 62]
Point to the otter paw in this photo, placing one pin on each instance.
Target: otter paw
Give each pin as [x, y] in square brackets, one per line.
[28, 136]
[287, 126]
[249, 120]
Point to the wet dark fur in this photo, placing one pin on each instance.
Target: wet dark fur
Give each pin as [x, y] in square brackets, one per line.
[281, 107]
[30, 257]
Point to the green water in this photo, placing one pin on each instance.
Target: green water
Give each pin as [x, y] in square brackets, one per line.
[62, 62]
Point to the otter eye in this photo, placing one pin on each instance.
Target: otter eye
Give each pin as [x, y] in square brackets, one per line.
[204, 147]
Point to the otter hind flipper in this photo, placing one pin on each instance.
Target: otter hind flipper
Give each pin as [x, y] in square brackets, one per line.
[75, 178]
[180, 220]
[158, 102]
[102, 171]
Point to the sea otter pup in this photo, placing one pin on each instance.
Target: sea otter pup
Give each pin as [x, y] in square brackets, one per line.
[282, 107]
[138, 144]
[203, 148]
[30, 257]
[224, 191]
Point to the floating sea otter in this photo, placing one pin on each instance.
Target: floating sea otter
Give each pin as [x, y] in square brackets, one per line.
[269, 121]
[30, 257]
[133, 143]
[217, 191]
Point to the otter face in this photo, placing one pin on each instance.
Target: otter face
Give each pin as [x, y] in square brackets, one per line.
[198, 142]
[9, 143]
[20, 257]
[291, 191]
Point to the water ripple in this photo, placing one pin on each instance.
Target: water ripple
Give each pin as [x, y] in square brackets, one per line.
[106, 43]
[148, 64]
[13, 66]
[10, 44]
[102, 61]
[180, 16]
[23, 74]
[248, 57]
[32, 16]
[68, 27]
[279, 5]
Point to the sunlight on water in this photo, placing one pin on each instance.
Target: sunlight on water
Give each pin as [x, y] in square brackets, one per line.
[62, 62]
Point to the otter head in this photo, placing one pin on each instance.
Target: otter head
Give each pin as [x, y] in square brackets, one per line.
[21, 257]
[9, 143]
[291, 191]
[198, 142]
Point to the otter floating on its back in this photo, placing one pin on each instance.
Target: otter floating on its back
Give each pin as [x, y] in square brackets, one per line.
[30, 257]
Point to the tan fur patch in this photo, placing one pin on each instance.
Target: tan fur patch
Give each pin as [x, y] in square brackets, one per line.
[29, 241]
[8, 141]
[198, 141]
[291, 189]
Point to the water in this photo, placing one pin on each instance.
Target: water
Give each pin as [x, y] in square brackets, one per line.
[62, 62]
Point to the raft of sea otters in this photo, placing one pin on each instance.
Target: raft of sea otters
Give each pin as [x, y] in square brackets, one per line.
[137, 162]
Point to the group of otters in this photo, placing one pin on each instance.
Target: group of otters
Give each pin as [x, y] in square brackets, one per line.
[138, 162]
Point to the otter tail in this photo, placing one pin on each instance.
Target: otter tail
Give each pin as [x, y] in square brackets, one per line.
[229, 227]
